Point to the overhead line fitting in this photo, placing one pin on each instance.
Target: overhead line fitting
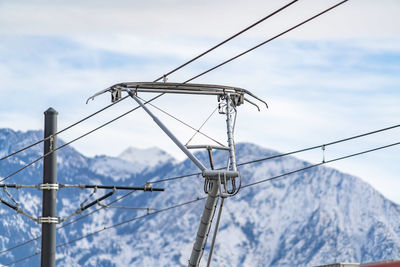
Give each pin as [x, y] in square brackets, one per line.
[217, 183]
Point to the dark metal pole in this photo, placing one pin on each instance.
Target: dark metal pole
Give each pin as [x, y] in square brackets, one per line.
[49, 218]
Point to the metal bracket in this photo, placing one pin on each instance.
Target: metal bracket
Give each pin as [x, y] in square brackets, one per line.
[49, 220]
[48, 186]
[116, 94]
[148, 187]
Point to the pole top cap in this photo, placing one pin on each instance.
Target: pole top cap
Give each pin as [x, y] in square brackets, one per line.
[51, 111]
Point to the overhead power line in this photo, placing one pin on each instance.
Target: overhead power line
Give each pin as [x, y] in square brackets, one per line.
[226, 40]
[110, 227]
[156, 80]
[322, 163]
[265, 42]
[246, 163]
[240, 164]
[195, 200]
[152, 99]
[69, 223]
[73, 140]
[288, 153]
[61, 131]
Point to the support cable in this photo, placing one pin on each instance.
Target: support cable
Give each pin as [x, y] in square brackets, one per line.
[61, 131]
[152, 99]
[201, 126]
[226, 40]
[74, 140]
[286, 154]
[69, 223]
[163, 76]
[112, 226]
[265, 42]
[243, 186]
[322, 163]
[17, 209]
[186, 124]
[195, 200]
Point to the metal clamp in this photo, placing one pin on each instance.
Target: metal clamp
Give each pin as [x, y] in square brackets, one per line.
[148, 187]
[49, 219]
[48, 186]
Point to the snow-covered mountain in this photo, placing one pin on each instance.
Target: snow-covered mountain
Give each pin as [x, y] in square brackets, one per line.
[314, 217]
[146, 158]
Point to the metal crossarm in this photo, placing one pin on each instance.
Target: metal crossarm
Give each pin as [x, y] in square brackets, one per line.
[237, 94]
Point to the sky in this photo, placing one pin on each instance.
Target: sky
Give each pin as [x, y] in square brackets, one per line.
[332, 78]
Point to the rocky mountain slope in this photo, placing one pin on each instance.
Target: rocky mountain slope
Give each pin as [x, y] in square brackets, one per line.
[314, 217]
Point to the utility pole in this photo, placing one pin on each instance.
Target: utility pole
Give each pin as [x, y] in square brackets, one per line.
[49, 187]
[49, 218]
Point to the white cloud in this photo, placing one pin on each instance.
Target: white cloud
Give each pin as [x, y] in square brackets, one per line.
[330, 79]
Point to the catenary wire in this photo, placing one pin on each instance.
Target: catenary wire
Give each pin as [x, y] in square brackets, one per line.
[186, 124]
[126, 113]
[219, 65]
[244, 163]
[188, 62]
[73, 140]
[69, 223]
[112, 226]
[322, 163]
[265, 42]
[187, 81]
[158, 79]
[61, 131]
[226, 40]
[197, 199]
[288, 153]
[147, 102]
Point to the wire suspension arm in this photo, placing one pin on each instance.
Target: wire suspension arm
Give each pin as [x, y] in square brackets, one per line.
[78, 211]
[169, 133]
[147, 187]
[17, 209]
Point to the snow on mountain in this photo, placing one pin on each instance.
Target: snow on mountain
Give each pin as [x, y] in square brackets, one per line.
[314, 217]
[146, 158]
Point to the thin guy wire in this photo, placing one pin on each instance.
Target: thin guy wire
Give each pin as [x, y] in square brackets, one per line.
[189, 202]
[265, 42]
[226, 40]
[61, 131]
[201, 126]
[184, 123]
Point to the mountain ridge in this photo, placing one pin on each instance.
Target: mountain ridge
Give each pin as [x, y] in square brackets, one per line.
[314, 217]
